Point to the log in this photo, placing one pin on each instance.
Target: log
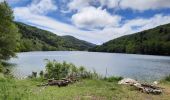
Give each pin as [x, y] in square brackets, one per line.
[59, 83]
[146, 88]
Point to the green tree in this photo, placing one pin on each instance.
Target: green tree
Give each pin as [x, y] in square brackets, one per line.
[9, 35]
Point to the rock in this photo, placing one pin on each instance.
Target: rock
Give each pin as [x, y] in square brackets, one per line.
[155, 82]
[128, 81]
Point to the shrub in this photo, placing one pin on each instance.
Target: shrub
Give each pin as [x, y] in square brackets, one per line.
[113, 79]
[41, 74]
[167, 78]
[58, 70]
[1, 68]
[33, 75]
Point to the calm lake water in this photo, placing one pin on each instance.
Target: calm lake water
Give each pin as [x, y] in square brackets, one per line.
[141, 67]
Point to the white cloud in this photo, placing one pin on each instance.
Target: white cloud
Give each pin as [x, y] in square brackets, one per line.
[1, 1]
[78, 4]
[144, 24]
[42, 6]
[109, 3]
[94, 18]
[139, 5]
[144, 4]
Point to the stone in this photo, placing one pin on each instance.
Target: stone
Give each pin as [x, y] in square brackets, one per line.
[128, 81]
[155, 82]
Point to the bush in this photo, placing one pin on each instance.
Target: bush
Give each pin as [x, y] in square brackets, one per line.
[113, 79]
[41, 74]
[33, 75]
[58, 70]
[1, 68]
[167, 78]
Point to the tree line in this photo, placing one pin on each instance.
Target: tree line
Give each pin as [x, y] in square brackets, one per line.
[154, 41]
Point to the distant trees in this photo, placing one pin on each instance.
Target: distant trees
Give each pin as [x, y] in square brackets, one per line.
[9, 35]
[154, 41]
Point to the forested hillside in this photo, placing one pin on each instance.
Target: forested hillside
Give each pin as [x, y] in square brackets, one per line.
[34, 39]
[155, 41]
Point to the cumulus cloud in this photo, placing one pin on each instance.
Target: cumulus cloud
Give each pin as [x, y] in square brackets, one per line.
[94, 18]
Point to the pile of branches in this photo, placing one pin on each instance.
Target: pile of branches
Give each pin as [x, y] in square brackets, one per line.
[148, 88]
[60, 83]
[143, 87]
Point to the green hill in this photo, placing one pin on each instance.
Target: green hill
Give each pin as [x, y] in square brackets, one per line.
[35, 39]
[154, 41]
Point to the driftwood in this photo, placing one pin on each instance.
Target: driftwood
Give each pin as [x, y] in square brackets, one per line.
[146, 88]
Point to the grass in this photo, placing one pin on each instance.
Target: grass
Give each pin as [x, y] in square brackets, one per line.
[88, 89]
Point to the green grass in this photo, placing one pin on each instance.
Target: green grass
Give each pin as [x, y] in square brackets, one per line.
[88, 89]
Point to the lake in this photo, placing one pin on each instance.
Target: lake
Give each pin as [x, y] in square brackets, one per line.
[140, 67]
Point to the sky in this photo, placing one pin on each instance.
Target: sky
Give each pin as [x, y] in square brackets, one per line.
[95, 21]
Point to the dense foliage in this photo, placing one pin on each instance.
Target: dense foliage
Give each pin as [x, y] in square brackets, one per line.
[8, 32]
[59, 70]
[34, 39]
[167, 78]
[155, 41]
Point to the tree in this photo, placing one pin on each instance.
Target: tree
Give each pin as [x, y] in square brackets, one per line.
[9, 35]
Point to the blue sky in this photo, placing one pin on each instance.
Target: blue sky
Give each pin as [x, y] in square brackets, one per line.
[96, 21]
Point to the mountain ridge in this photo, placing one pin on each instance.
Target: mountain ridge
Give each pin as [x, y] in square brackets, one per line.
[155, 41]
[36, 39]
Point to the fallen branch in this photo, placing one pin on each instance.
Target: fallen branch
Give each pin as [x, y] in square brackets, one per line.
[146, 88]
[59, 83]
